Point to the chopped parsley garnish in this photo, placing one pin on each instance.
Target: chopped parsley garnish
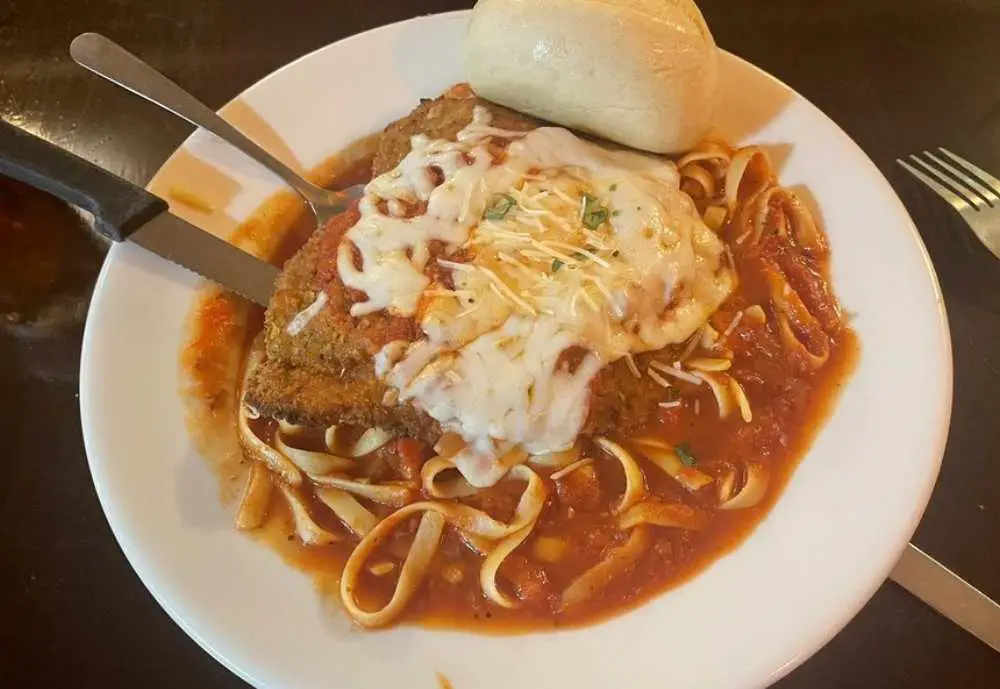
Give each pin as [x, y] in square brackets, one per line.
[500, 208]
[594, 214]
[556, 264]
[615, 214]
[613, 187]
[683, 452]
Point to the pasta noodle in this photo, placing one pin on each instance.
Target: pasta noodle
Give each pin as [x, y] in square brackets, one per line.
[400, 516]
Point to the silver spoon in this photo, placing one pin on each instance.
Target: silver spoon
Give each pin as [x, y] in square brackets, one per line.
[107, 59]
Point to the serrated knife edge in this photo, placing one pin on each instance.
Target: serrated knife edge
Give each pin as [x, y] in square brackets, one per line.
[205, 254]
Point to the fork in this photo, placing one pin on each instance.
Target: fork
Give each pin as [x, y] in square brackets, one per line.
[969, 189]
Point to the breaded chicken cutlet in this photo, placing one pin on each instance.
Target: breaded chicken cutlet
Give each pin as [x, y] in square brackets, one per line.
[325, 375]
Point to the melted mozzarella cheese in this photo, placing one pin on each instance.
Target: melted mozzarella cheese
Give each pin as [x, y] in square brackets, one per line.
[305, 316]
[572, 246]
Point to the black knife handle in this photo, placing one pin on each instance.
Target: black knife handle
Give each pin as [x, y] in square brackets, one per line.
[118, 206]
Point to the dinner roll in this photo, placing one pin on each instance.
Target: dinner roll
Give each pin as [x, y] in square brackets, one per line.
[642, 73]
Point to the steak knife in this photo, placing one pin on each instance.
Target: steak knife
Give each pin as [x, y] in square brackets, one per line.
[123, 211]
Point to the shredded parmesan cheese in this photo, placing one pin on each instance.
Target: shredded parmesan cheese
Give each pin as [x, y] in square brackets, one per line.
[676, 372]
[630, 362]
[732, 325]
[501, 288]
[560, 222]
[658, 379]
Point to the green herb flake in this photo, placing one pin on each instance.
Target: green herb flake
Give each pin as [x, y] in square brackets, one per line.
[500, 208]
[594, 214]
[673, 394]
[556, 265]
[613, 187]
[615, 214]
[683, 452]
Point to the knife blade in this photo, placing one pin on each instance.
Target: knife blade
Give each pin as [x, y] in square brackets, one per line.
[210, 257]
[123, 211]
[949, 594]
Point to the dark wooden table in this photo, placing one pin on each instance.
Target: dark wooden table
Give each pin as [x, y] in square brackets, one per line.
[898, 75]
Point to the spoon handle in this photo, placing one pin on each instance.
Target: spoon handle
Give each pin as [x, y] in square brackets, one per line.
[107, 59]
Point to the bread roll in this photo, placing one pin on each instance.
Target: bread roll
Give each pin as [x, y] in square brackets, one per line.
[642, 73]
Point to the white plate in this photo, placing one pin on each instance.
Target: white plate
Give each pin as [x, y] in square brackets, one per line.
[750, 618]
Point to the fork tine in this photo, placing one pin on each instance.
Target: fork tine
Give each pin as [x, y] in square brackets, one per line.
[970, 196]
[991, 196]
[956, 201]
[983, 175]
